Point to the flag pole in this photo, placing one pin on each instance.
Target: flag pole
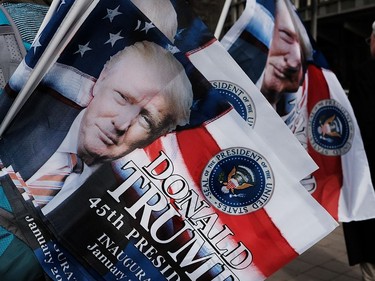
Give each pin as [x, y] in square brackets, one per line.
[222, 18]
[52, 9]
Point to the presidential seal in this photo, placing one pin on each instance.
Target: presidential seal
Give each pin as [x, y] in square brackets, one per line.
[330, 129]
[238, 98]
[238, 181]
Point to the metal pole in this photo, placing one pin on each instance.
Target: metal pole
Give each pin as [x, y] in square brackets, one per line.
[314, 19]
[222, 18]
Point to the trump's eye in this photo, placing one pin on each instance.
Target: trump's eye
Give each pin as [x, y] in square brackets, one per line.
[287, 36]
[145, 121]
[121, 98]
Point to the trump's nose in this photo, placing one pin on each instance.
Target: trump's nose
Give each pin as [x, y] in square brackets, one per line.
[293, 58]
[122, 121]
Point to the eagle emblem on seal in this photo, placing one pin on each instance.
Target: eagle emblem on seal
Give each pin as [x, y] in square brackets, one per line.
[238, 179]
[330, 127]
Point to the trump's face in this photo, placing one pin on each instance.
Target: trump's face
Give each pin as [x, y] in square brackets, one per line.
[127, 112]
[283, 71]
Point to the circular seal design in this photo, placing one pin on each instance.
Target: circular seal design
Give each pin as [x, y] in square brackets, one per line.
[330, 128]
[238, 98]
[237, 181]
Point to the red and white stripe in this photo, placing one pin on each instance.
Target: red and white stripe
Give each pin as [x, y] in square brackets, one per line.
[291, 222]
[344, 184]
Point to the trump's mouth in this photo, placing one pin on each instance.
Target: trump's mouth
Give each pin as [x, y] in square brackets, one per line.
[106, 137]
[279, 72]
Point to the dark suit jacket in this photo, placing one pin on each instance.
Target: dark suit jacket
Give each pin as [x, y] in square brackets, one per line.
[75, 221]
[37, 130]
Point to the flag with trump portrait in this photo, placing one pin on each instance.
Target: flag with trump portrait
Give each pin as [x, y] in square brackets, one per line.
[123, 158]
[270, 43]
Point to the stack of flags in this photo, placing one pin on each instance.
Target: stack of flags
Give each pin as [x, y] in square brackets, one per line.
[222, 197]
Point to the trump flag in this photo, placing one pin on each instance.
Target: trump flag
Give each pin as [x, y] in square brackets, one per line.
[272, 46]
[129, 161]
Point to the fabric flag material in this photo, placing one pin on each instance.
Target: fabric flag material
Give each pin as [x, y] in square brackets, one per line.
[212, 199]
[317, 111]
[193, 218]
[220, 69]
